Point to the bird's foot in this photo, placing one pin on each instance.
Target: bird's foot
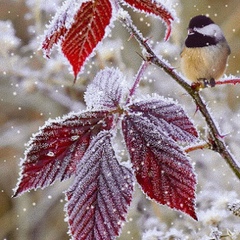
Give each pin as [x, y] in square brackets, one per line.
[203, 83]
[209, 83]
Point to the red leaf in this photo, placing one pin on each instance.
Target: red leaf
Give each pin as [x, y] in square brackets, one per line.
[56, 149]
[155, 8]
[85, 30]
[54, 37]
[161, 167]
[57, 29]
[111, 88]
[102, 191]
[167, 115]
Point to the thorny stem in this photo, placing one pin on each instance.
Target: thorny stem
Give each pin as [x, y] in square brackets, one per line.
[215, 138]
[137, 80]
[228, 81]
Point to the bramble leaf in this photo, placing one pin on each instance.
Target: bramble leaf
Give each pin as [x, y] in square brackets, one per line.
[54, 152]
[155, 8]
[102, 191]
[80, 26]
[161, 167]
[107, 90]
[167, 115]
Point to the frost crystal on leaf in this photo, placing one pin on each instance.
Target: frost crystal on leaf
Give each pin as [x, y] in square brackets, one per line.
[167, 115]
[161, 167]
[100, 196]
[54, 152]
[107, 90]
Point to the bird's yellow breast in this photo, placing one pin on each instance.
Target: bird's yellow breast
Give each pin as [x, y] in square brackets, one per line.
[204, 62]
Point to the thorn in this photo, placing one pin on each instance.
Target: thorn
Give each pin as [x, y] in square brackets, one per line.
[197, 109]
[142, 57]
[213, 143]
[146, 40]
[221, 136]
[172, 69]
[131, 36]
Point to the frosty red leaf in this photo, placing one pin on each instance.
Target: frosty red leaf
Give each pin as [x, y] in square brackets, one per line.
[111, 88]
[80, 35]
[80, 145]
[100, 196]
[161, 167]
[55, 33]
[86, 32]
[155, 8]
[56, 149]
[169, 116]
[81, 25]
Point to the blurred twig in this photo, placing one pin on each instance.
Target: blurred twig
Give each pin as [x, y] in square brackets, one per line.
[59, 97]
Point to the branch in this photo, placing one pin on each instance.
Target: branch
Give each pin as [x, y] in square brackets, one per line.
[228, 81]
[216, 140]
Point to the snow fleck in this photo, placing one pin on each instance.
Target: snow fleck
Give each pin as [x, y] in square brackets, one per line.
[50, 154]
[74, 138]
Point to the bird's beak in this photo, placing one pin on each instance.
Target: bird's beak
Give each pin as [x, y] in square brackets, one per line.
[190, 31]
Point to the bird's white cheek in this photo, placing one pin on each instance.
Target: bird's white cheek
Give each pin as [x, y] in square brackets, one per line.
[211, 30]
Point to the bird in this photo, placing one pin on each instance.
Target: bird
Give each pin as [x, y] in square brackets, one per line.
[205, 54]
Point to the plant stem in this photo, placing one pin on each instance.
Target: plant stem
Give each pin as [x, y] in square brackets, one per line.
[216, 140]
[228, 81]
[197, 147]
[137, 80]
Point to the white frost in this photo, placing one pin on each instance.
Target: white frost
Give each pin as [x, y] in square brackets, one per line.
[108, 90]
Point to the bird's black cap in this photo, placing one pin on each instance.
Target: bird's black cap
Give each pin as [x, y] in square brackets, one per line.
[200, 21]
